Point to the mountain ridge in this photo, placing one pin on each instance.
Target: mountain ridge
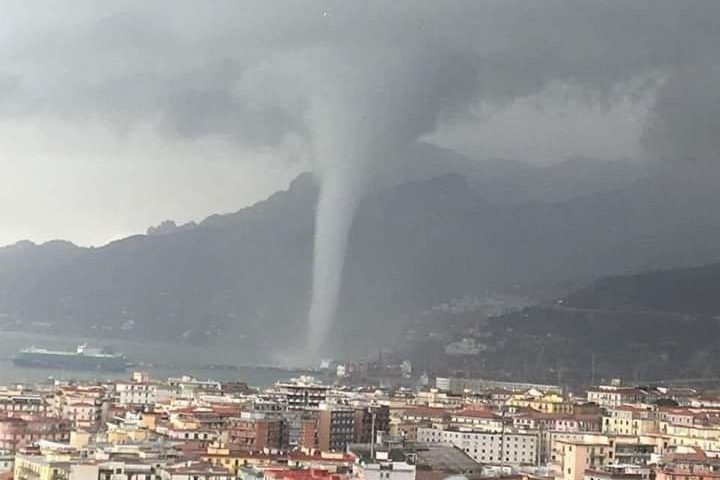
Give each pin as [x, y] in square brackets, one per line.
[649, 327]
[247, 275]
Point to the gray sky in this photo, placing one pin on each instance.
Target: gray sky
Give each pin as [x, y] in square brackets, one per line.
[118, 115]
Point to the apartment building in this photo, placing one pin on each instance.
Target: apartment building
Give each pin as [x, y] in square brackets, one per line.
[575, 456]
[369, 418]
[630, 420]
[334, 427]
[612, 396]
[511, 448]
[16, 433]
[302, 393]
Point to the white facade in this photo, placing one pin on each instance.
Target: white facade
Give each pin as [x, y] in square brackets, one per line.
[461, 385]
[6, 463]
[131, 393]
[82, 414]
[386, 471]
[303, 393]
[477, 421]
[186, 386]
[609, 396]
[189, 434]
[486, 447]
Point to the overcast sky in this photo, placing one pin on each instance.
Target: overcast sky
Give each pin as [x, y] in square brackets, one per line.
[117, 115]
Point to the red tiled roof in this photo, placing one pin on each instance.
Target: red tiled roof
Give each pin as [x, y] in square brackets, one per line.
[476, 414]
[241, 453]
[427, 412]
[578, 417]
[309, 474]
[200, 467]
[697, 455]
[628, 408]
[613, 475]
[299, 456]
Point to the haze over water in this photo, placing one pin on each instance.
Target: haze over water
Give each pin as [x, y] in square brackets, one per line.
[161, 360]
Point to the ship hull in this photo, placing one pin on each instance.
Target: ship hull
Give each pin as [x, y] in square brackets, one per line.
[70, 362]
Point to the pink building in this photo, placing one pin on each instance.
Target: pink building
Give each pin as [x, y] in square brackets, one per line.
[689, 465]
[16, 433]
[308, 474]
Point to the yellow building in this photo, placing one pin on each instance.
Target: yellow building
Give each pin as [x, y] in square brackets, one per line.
[630, 420]
[150, 420]
[80, 439]
[575, 456]
[706, 437]
[437, 399]
[122, 436]
[235, 458]
[39, 467]
[548, 402]
[572, 453]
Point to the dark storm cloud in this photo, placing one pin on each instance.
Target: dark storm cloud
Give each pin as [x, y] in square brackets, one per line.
[248, 71]
[684, 124]
[180, 62]
[360, 81]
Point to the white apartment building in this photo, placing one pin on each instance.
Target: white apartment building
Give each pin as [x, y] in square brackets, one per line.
[477, 420]
[509, 448]
[132, 393]
[303, 393]
[386, 471]
[611, 396]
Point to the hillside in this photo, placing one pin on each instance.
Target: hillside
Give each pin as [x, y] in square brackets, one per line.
[690, 291]
[244, 278]
[646, 327]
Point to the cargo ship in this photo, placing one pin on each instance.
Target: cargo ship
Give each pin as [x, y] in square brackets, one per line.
[82, 358]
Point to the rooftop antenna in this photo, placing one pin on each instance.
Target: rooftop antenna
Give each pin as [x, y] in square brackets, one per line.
[372, 434]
